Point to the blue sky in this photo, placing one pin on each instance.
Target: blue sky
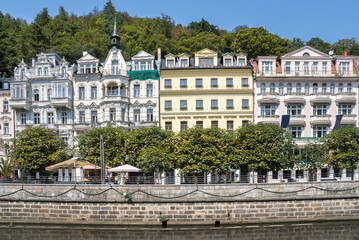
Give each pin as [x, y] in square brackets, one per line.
[327, 19]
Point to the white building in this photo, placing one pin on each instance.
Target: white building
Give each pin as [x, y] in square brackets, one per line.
[144, 85]
[6, 116]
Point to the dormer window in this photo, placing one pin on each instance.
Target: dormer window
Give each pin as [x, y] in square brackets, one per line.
[23, 74]
[205, 62]
[114, 69]
[63, 72]
[267, 67]
[170, 63]
[46, 71]
[184, 63]
[39, 71]
[344, 68]
[228, 62]
[241, 62]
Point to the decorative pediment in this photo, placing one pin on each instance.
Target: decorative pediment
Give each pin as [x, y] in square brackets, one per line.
[150, 104]
[22, 64]
[206, 51]
[5, 119]
[136, 104]
[87, 58]
[143, 54]
[93, 106]
[306, 52]
[63, 62]
[81, 106]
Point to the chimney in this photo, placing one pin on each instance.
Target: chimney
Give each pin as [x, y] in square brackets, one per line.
[33, 62]
[84, 53]
[159, 53]
[345, 53]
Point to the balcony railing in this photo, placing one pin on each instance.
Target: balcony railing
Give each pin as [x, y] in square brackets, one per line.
[321, 119]
[294, 97]
[320, 97]
[118, 72]
[307, 139]
[269, 119]
[61, 102]
[345, 97]
[268, 97]
[23, 103]
[349, 119]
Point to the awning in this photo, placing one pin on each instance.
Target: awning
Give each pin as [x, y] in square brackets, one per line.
[66, 164]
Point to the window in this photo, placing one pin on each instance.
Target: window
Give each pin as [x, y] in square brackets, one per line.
[112, 90]
[345, 109]
[6, 85]
[143, 65]
[245, 103]
[46, 71]
[149, 90]
[63, 72]
[298, 88]
[136, 91]
[340, 87]
[122, 91]
[93, 92]
[6, 128]
[294, 109]
[168, 126]
[287, 67]
[295, 131]
[36, 118]
[349, 87]
[199, 104]
[306, 89]
[229, 103]
[306, 68]
[268, 109]
[137, 115]
[170, 63]
[320, 109]
[183, 82]
[230, 125]
[241, 62]
[205, 62]
[23, 118]
[199, 124]
[114, 68]
[184, 63]
[229, 82]
[36, 95]
[227, 62]
[64, 117]
[267, 67]
[123, 114]
[22, 74]
[214, 124]
[82, 117]
[39, 71]
[183, 125]
[315, 68]
[88, 69]
[82, 93]
[324, 88]
[168, 105]
[344, 68]
[214, 82]
[50, 118]
[263, 87]
[112, 114]
[324, 68]
[149, 115]
[168, 83]
[315, 88]
[289, 88]
[214, 104]
[6, 106]
[183, 104]
[297, 67]
[245, 82]
[272, 88]
[93, 117]
[245, 123]
[199, 82]
[320, 131]
[49, 94]
[332, 89]
[281, 89]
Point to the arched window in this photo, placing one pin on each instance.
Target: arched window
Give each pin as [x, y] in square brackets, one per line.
[315, 88]
[46, 71]
[263, 87]
[306, 89]
[340, 87]
[63, 72]
[298, 88]
[112, 90]
[324, 88]
[332, 89]
[281, 87]
[289, 88]
[36, 95]
[272, 88]
[39, 71]
[349, 87]
[114, 67]
[23, 74]
[305, 54]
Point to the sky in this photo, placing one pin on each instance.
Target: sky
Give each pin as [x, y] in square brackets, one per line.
[329, 20]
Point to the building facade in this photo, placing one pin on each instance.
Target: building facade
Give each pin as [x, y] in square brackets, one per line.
[6, 116]
[310, 86]
[205, 91]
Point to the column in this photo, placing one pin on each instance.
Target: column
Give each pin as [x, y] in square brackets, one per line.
[237, 175]
[356, 174]
[293, 174]
[177, 177]
[331, 173]
[162, 178]
[319, 174]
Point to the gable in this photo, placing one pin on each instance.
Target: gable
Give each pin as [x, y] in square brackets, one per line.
[143, 54]
[87, 57]
[206, 51]
[306, 50]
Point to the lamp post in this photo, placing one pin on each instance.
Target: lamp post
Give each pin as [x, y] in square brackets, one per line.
[102, 159]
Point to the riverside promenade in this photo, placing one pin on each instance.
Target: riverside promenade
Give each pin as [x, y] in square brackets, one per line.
[181, 204]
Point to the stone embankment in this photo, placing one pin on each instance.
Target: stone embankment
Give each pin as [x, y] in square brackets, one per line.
[181, 204]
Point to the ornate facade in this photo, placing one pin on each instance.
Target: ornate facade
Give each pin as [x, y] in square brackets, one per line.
[6, 116]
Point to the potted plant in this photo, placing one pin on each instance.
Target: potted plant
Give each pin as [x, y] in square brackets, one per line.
[163, 220]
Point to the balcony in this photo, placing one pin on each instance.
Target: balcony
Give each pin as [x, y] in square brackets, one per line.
[294, 97]
[115, 98]
[305, 140]
[61, 102]
[144, 123]
[268, 97]
[320, 119]
[269, 119]
[320, 97]
[297, 120]
[23, 103]
[349, 119]
[345, 97]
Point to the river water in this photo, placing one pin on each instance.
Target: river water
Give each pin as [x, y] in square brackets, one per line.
[341, 230]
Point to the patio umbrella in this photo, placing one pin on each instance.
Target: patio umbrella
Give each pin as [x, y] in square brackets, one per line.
[125, 168]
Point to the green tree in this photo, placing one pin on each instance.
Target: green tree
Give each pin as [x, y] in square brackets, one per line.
[38, 147]
[262, 148]
[319, 44]
[197, 151]
[114, 142]
[342, 147]
[312, 157]
[202, 26]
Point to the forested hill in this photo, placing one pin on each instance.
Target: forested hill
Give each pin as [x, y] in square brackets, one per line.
[70, 35]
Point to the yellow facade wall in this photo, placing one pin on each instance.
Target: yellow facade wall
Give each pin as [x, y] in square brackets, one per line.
[191, 93]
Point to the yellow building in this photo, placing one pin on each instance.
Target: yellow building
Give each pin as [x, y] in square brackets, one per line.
[206, 91]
